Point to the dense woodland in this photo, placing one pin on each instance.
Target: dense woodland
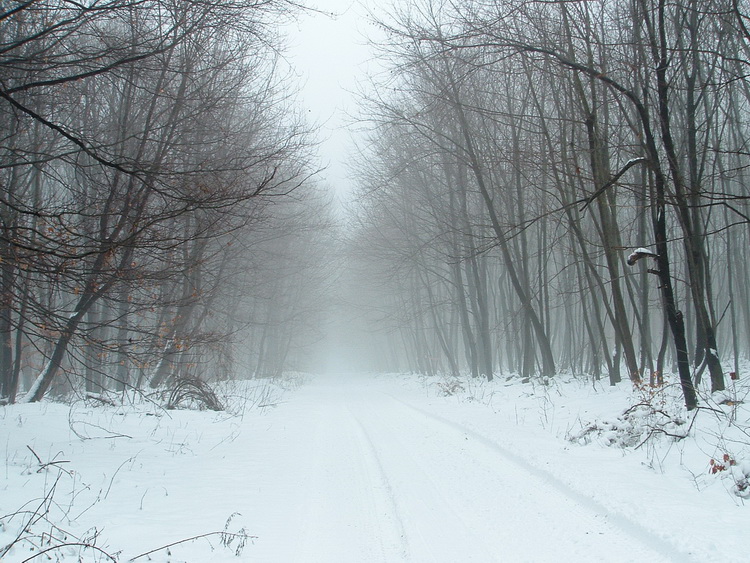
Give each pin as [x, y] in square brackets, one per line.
[156, 195]
[561, 186]
[545, 186]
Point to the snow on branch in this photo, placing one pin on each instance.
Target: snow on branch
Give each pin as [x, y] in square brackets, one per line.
[639, 253]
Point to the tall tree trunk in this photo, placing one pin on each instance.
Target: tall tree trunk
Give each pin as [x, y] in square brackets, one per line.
[548, 361]
[693, 239]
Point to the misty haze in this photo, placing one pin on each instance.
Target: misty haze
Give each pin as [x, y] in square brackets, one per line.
[348, 281]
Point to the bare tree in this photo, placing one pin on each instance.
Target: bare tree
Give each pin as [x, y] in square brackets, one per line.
[168, 129]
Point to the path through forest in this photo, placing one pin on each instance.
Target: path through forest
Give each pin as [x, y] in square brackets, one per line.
[360, 469]
[366, 476]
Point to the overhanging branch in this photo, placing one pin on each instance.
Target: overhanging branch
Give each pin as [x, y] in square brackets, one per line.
[612, 181]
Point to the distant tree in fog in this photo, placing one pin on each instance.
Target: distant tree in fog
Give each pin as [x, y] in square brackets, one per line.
[140, 139]
[568, 134]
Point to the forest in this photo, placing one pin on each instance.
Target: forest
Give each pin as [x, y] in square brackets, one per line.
[543, 187]
[518, 330]
[144, 147]
[560, 186]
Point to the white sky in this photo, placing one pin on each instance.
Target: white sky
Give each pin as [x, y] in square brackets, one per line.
[330, 54]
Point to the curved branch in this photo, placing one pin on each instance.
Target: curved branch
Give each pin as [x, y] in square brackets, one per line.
[613, 180]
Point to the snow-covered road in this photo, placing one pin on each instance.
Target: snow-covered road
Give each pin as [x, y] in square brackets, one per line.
[365, 476]
[355, 469]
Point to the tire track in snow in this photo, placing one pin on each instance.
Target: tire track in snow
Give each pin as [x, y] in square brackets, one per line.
[386, 486]
[432, 528]
[346, 510]
[614, 519]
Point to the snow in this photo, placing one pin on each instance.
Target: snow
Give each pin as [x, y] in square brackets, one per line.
[382, 468]
[639, 253]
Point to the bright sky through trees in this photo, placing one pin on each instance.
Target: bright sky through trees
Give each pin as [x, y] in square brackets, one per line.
[327, 48]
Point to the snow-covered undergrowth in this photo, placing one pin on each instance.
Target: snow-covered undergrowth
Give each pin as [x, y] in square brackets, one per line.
[71, 470]
[655, 412]
[710, 445]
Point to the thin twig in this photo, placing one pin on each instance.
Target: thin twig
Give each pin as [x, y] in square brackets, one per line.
[198, 537]
[39, 459]
[74, 544]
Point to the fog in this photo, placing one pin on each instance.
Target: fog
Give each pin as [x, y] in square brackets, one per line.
[527, 222]
[403, 187]
[328, 50]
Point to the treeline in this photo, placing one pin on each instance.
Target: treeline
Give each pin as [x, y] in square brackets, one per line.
[155, 195]
[561, 186]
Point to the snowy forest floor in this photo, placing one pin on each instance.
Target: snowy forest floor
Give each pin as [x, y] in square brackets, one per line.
[382, 468]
